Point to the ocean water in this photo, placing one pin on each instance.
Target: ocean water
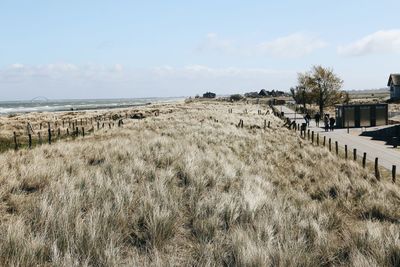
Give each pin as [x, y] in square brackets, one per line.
[42, 105]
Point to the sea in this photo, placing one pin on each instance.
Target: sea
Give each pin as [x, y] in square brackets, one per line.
[47, 105]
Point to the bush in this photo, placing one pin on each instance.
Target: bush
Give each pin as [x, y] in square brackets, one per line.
[236, 97]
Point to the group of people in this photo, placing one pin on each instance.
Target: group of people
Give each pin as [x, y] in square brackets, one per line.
[329, 122]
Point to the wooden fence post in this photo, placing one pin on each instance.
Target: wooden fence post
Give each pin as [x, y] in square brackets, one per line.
[377, 175]
[77, 131]
[49, 132]
[265, 124]
[68, 131]
[15, 141]
[308, 134]
[394, 174]
[30, 141]
[355, 154]
[337, 147]
[345, 151]
[317, 139]
[83, 131]
[269, 124]
[324, 142]
[364, 160]
[312, 137]
[330, 144]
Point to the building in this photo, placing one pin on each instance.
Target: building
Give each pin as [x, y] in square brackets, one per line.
[361, 115]
[209, 95]
[394, 84]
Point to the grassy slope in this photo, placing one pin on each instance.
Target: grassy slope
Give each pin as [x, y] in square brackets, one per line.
[185, 189]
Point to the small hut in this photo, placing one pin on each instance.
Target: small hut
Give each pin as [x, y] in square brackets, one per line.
[361, 115]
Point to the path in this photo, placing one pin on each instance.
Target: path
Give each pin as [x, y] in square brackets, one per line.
[387, 155]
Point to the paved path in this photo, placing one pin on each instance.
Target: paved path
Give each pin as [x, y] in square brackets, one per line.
[387, 155]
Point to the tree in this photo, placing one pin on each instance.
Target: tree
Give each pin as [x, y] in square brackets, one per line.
[324, 86]
[300, 95]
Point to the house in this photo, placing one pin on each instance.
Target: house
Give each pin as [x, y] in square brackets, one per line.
[263, 92]
[209, 95]
[394, 84]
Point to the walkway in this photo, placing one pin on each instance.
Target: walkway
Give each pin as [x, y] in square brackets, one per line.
[387, 155]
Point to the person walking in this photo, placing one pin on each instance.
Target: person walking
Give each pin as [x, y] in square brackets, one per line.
[332, 123]
[326, 122]
[307, 117]
[317, 117]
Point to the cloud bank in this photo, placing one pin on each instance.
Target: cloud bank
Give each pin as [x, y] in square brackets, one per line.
[379, 42]
[65, 80]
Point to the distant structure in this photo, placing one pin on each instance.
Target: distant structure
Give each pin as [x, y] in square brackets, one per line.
[394, 84]
[265, 93]
[209, 95]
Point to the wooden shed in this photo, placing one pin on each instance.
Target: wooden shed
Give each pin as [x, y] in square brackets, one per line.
[361, 115]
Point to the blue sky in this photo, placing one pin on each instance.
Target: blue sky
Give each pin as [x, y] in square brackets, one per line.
[103, 49]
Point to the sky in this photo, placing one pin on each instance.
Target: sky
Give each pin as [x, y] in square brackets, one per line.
[126, 49]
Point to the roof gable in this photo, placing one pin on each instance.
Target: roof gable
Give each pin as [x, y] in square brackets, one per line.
[394, 79]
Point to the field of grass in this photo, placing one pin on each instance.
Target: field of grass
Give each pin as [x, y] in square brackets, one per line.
[189, 188]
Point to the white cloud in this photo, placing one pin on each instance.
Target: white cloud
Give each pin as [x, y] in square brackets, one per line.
[292, 46]
[376, 43]
[111, 81]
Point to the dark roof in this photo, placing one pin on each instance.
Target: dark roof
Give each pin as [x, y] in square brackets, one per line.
[394, 79]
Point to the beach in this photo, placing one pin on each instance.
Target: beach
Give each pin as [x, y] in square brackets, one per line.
[192, 187]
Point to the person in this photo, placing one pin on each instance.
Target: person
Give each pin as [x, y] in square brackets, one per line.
[326, 122]
[332, 123]
[317, 117]
[307, 118]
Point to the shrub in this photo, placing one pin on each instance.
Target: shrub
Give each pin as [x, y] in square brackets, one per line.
[236, 97]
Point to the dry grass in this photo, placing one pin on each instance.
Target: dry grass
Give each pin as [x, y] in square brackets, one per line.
[189, 188]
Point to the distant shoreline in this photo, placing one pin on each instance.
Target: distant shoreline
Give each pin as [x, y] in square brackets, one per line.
[80, 105]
